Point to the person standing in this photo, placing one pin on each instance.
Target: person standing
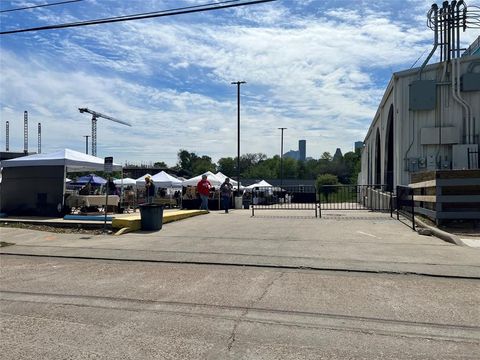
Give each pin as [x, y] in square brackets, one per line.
[149, 189]
[226, 193]
[203, 188]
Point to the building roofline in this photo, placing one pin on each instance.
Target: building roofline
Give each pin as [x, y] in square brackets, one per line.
[405, 73]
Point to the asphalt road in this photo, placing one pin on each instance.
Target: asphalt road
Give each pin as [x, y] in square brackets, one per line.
[234, 287]
[94, 309]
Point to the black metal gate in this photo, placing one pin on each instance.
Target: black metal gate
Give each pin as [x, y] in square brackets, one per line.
[406, 203]
[355, 197]
[302, 197]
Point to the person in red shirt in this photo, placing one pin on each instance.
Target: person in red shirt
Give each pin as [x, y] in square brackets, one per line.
[203, 188]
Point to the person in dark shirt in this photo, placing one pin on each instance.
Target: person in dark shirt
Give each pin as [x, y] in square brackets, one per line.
[149, 189]
[112, 189]
[226, 193]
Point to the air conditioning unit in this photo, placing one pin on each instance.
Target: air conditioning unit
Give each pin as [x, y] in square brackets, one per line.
[464, 156]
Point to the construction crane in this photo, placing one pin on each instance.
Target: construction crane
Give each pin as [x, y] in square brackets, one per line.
[95, 116]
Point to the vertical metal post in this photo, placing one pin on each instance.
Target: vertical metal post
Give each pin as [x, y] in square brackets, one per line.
[391, 204]
[86, 143]
[281, 156]
[106, 207]
[413, 208]
[399, 201]
[238, 83]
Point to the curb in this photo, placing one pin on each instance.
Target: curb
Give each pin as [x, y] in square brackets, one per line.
[454, 239]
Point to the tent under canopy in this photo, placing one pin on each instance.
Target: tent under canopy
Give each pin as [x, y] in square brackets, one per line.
[90, 179]
[73, 160]
[222, 177]
[141, 180]
[165, 180]
[35, 184]
[260, 184]
[214, 180]
[126, 182]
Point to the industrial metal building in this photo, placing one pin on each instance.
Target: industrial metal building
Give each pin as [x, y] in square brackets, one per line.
[428, 119]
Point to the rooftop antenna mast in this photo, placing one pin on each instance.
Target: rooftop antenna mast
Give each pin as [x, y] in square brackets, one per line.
[95, 116]
[7, 133]
[25, 132]
[39, 138]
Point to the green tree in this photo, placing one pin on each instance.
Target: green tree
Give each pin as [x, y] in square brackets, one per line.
[186, 160]
[326, 156]
[247, 161]
[227, 166]
[203, 164]
[324, 185]
[160, 164]
[192, 164]
[265, 169]
[290, 168]
[301, 170]
[352, 162]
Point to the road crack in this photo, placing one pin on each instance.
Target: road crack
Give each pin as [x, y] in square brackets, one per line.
[231, 339]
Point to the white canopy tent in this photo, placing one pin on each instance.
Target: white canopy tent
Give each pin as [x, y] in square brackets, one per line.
[222, 177]
[165, 180]
[214, 180]
[141, 180]
[36, 184]
[260, 184]
[71, 159]
[125, 182]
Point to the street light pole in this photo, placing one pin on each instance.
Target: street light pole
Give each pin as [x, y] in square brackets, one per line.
[86, 143]
[281, 156]
[238, 83]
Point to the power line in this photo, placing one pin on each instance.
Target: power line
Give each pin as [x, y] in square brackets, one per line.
[40, 6]
[171, 12]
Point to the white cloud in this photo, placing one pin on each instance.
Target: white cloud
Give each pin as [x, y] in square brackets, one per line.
[316, 75]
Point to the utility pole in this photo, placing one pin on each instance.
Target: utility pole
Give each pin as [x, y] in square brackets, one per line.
[238, 83]
[86, 143]
[281, 156]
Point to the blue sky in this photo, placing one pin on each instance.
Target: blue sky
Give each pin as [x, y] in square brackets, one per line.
[317, 67]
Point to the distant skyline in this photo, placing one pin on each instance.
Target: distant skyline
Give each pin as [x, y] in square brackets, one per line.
[318, 68]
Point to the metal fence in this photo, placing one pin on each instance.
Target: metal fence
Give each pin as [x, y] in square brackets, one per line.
[284, 198]
[406, 203]
[355, 197]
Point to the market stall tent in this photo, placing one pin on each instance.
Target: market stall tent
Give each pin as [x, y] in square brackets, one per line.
[125, 182]
[71, 159]
[222, 178]
[90, 179]
[214, 180]
[141, 180]
[35, 184]
[165, 180]
[260, 184]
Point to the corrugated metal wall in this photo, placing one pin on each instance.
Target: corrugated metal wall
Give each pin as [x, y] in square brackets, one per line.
[409, 153]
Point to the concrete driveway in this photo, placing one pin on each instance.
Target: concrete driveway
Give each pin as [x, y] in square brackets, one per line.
[343, 240]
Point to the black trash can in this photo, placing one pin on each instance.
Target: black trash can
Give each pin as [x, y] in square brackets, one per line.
[151, 216]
